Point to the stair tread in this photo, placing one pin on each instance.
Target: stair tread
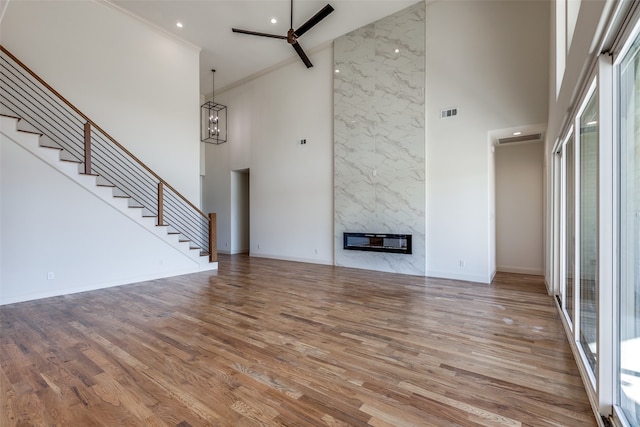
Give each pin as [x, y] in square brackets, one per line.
[53, 148]
[10, 116]
[71, 161]
[32, 132]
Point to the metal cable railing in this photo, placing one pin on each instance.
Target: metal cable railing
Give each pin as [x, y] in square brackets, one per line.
[28, 97]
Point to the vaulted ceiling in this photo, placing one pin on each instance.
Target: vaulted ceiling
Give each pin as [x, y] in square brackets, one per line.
[208, 23]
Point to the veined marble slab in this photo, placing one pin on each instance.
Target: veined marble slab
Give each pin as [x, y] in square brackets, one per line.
[379, 138]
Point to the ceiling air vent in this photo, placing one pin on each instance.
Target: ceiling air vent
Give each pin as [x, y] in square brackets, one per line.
[520, 138]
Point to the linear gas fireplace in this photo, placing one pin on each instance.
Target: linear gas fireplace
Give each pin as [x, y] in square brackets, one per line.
[376, 242]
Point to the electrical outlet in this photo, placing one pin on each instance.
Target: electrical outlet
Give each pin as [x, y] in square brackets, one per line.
[317, 252]
[51, 275]
[258, 245]
[461, 263]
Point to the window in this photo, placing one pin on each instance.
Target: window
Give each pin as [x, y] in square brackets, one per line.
[566, 18]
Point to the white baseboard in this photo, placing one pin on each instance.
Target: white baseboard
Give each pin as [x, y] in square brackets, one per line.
[521, 270]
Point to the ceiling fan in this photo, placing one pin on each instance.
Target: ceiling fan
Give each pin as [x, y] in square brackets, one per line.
[292, 35]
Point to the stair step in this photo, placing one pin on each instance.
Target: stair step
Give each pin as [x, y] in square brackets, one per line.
[30, 132]
[10, 116]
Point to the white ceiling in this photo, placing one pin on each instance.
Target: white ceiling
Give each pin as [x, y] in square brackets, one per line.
[208, 23]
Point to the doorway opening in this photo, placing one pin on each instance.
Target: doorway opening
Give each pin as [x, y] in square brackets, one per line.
[240, 212]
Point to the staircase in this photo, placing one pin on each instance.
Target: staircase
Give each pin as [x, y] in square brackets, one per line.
[55, 157]
[39, 120]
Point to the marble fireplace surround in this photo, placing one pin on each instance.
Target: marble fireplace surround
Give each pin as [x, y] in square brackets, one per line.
[379, 138]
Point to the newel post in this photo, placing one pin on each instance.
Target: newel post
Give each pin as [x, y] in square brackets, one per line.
[160, 204]
[213, 239]
[87, 148]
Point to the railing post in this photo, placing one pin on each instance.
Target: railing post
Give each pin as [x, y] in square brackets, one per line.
[87, 148]
[160, 203]
[213, 239]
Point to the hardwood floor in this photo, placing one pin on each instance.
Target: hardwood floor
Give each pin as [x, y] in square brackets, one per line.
[274, 343]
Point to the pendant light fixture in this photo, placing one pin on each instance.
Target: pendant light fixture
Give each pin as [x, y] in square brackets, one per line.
[213, 120]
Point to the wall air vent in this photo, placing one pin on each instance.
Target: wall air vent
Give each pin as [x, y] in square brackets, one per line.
[520, 138]
[449, 112]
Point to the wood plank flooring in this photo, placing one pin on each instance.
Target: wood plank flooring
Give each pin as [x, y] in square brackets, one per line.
[274, 343]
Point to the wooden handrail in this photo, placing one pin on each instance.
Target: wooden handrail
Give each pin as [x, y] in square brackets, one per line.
[92, 123]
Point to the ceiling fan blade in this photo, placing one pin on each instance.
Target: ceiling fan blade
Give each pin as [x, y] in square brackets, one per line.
[314, 20]
[302, 55]
[254, 33]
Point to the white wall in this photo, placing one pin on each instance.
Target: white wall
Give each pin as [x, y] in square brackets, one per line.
[291, 200]
[139, 85]
[491, 64]
[519, 211]
[51, 224]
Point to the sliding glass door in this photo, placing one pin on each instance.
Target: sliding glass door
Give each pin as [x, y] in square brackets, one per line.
[588, 231]
[568, 283]
[579, 284]
[629, 237]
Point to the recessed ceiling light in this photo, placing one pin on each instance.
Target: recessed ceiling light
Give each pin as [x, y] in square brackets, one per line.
[397, 50]
[337, 71]
[179, 24]
[274, 21]
[517, 133]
